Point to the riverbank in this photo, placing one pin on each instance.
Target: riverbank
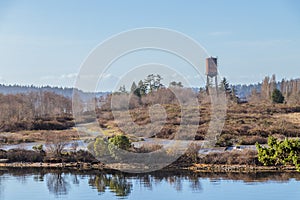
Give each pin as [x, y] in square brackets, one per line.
[194, 168]
[240, 168]
[73, 165]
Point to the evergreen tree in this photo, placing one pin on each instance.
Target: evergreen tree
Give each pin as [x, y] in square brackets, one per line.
[152, 83]
[233, 95]
[141, 89]
[122, 89]
[277, 96]
[224, 86]
[133, 87]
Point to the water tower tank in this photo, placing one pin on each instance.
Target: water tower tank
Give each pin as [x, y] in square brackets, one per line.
[211, 67]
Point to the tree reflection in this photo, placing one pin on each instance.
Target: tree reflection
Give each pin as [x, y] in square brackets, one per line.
[38, 177]
[57, 184]
[63, 181]
[117, 183]
[176, 182]
[146, 181]
[75, 179]
[195, 183]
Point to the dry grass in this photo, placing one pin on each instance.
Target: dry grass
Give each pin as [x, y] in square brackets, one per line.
[244, 124]
[293, 118]
[36, 136]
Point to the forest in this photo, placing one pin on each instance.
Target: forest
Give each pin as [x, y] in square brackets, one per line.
[35, 111]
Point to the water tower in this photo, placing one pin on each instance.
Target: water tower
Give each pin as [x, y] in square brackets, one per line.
[211, 72]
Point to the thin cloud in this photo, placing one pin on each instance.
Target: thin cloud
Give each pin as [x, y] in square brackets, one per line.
[220, 33]
[260, 43]
[72, 75]
[60, 77]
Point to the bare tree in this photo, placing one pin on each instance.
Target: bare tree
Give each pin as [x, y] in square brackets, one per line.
[56, 143]
[74, 146]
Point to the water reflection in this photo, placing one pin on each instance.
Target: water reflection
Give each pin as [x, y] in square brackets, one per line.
[117, 183]
[57, 184]
[61, 182]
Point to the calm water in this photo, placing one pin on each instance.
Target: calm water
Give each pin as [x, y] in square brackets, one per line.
[36, 184]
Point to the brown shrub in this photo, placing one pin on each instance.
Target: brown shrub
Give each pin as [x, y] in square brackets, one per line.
[147, 148]
[192, 151]
[78, 156]
[251, 140]
[225, 140]
[51, 125]
[245, 157]
[22, 155]
[3, 154]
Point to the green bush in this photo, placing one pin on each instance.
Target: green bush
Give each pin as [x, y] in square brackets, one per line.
[99, 147]
[38, 148]
[277, 96]
[111, 147]
[284, 152]
[120, 141]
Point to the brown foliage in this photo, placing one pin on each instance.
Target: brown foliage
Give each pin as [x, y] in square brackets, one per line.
[22, 155]
[30, 111]
[147, 148]
[246, 157]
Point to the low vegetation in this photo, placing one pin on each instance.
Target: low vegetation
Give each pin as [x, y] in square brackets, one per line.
[268, 116]
[30, 156]
[278, 152]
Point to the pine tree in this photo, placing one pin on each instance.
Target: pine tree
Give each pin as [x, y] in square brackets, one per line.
[141, 89]
[277, 96]
[122, 89]
[133, 87]
[224, 86]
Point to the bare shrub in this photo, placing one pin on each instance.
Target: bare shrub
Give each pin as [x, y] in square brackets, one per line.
[134, 102]
[245, 157]
[74, 146]
[22, 155]
[147, 148]
[56, 143]
[193, 151]
[251, 140]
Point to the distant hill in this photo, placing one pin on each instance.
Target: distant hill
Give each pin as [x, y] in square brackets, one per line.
[242, 90]
[66, 92]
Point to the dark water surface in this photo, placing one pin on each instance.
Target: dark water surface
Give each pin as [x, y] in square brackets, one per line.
[37, 184]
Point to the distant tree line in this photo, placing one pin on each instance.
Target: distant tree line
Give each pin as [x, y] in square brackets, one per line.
[149, 91]
[291, 90]
[285, 91]
[29, 111]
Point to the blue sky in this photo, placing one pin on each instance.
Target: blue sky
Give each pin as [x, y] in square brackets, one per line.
[45, 42]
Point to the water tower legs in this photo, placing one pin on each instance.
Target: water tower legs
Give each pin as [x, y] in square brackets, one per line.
[216, 82]
[209, 84]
